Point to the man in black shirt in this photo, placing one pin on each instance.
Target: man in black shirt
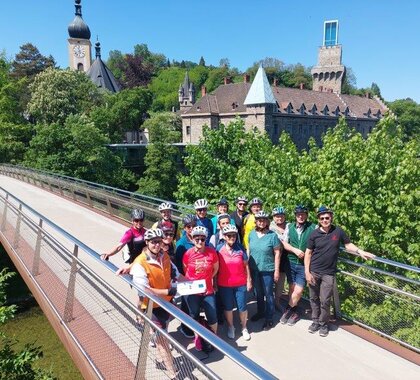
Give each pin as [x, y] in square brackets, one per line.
[239, 214]
[321, 265]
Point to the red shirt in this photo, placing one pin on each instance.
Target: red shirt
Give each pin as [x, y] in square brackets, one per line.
[199, 266]
[232, 270]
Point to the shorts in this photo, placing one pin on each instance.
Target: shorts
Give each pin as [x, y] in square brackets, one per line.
[231, 294]
[195, 302]
[296, 274]
[160, 317]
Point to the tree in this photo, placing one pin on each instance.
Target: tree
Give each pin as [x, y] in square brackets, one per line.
[202, 61]
[408, 113]
[14, 141]
[349, 82]
[16, 365]
[56, 94]
[77, 149]
[121, 112]
[29, 62]
[375, 90]
[136, 71]
[159, 178]
[224, 62]
[115, 63]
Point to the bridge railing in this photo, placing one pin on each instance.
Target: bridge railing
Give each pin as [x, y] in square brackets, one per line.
[112, 336]
[382, 296]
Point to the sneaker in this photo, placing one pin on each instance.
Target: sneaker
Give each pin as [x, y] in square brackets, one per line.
[323, 330]
[314, 327]
[187, 332]
[231, 332]
[257, 317]
[245, 334]
[267, 325]
[198, 343]
[286, 315]
[293, 319]
[206, 346]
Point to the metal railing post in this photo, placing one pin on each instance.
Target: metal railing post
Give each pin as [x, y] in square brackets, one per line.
[336, 300]
[88, 198]
[68, 309]
[108, 205]
[60, 188]
[73, 193]
[3, 221]
[37, 254]
[17, 230]
[144, 346]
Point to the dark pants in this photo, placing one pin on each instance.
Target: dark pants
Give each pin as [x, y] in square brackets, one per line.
[320, 296]
[263, 285]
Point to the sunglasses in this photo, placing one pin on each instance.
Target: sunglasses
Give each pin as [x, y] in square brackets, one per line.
[241, 204]
[138, 220]
[189, 226]
[231, 236]
[324, 218]
[169, 235]
[200, 239]
[155, 242]
[201, 209]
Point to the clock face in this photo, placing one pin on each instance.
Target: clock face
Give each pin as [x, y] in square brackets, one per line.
[79, 52]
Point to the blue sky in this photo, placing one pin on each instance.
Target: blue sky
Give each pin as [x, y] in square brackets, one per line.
[380, 38]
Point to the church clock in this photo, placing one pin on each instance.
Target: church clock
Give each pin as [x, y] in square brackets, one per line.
[79, 52]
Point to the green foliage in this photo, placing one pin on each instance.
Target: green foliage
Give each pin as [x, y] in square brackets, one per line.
[16, 364]
[77, 149]
[121, 112]
[14, 141]
[159, 178]
[56, 94]
[408, 113]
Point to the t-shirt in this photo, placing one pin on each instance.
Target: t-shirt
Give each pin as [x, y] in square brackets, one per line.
[232, 271]
[182, 246]
[248, 226]
[325, 246]
[199, 266]
[134, 239]
[261, 250]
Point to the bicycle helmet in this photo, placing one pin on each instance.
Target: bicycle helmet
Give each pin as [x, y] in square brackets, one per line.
[167, 227]
[256, 201]
[279, 210]
[324, 210]
[200, 203]
[223, 216]
[241, 199]
[301, 208]
[229, 229]
[261, 215]
[189, 219]
[153, 233]
[223, 201]
[199, 231]
[137, 214]
[165, 206]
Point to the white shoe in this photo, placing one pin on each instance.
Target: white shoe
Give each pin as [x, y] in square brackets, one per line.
[245, 334]
[231, 332]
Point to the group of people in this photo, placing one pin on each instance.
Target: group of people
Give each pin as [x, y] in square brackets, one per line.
[235, 253]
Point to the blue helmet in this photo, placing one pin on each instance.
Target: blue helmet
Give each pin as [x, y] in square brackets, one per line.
[301, 208]
[279, 210]
[324, 210]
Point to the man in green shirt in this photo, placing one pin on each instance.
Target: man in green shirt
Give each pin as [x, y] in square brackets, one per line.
[299, 233]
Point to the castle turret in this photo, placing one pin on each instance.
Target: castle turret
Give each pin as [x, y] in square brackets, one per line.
[329, 73]
[186, 94]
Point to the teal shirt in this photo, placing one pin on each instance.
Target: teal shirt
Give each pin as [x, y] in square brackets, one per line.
[261, 250]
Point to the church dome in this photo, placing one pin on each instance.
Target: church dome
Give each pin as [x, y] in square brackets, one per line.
[78, 28]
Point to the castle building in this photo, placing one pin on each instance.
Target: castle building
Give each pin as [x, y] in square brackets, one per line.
[80, 58]
[300, 112]
[186, 94]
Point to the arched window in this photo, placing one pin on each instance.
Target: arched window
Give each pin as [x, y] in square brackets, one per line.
[80, 67]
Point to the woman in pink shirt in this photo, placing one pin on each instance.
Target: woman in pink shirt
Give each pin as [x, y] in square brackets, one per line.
[201, 263]
[233, 279]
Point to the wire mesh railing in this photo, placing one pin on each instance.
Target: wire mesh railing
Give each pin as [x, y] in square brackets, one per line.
[383, 296]
[113, 336]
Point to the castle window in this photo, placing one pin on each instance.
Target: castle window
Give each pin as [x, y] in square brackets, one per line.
[185, 102]
[330, 33]
[188, 130]
[80, 67]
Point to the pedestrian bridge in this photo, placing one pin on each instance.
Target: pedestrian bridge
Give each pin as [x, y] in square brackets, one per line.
[55, 228]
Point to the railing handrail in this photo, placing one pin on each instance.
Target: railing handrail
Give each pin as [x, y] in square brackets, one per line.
[237, 357]
[182, 206]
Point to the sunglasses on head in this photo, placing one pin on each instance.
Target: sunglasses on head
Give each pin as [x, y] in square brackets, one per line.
[200, 239]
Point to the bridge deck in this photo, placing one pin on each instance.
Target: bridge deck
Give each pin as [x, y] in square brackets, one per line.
[287, 352]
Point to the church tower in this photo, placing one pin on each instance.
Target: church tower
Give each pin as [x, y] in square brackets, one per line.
[79, 46]
[186, 94]
[328, 75]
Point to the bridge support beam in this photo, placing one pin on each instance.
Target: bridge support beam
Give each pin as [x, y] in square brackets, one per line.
[68, 308]
[17, 230]
[37, 253]
[3, 221]
[144, 345]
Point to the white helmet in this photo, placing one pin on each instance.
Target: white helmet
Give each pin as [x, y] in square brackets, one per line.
[261, 215]
[165, 206]
[199, 231]
[229, 229]
[200, 203]
[153, 233]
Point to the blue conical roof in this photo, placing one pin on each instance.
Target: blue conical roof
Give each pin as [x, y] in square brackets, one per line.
[260, 91]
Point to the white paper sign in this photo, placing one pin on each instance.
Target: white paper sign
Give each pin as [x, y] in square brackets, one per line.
[186, 288]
